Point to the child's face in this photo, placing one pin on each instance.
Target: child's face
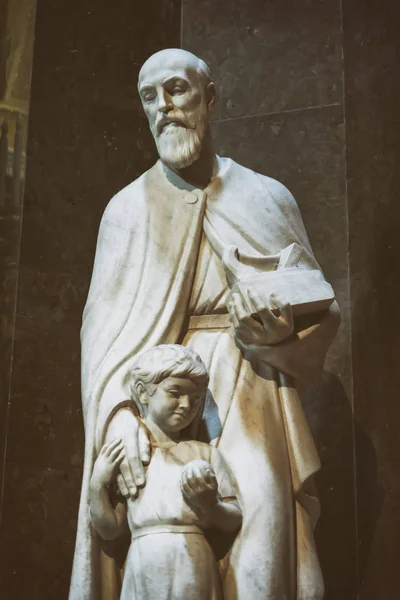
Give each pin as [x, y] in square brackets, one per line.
[174, 404]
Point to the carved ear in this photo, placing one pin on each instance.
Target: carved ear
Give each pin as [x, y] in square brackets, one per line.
[211, 96]
[141, 393]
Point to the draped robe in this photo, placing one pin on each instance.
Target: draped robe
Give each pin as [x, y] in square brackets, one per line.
[154, 268]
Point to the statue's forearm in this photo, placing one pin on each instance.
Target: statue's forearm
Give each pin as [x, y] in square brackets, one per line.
[116, 422]
[121, 420]
[103, 517]
[125, 425]
[303, 354]
[225, 516]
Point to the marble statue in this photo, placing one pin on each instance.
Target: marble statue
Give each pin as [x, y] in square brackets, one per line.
[203, 252]
[188, 489]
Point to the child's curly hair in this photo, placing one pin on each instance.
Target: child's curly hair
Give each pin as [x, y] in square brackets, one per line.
[168, 360]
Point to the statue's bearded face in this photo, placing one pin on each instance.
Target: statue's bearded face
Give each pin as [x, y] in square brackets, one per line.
[175, 101]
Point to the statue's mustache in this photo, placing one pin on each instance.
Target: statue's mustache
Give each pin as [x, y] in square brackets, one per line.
[163, 121]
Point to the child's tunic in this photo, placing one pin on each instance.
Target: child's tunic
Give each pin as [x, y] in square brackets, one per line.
[169, 557]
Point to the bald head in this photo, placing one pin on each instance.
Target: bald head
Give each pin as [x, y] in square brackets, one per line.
[178, 95]
[173, 59]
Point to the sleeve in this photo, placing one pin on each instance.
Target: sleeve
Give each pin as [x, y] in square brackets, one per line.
[120, 255]
[105, 310]
[301, 356]
[226, 484]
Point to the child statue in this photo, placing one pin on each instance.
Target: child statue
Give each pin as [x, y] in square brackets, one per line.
[188, 489]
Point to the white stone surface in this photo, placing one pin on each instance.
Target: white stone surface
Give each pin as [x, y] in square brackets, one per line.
[188, 490]
[159, 279]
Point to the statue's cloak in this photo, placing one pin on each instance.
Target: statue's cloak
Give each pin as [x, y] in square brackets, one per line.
[146, 257]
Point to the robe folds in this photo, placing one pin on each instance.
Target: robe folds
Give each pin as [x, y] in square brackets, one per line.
[150, 249]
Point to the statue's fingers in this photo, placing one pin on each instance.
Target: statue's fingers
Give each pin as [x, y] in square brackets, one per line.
[205, 469]
[137, 470]
[194, 482]
[199, 483]
[197, 472]
[210, 476]
[241, 310]
[254, 325]
[211, 484]
[287, 316]
[212, 487]
[264, 319]
[285, 325]
[119, 457]
[122, 486]
[191, 479]
[185, 485]
[251, 327]
[115, 450]
[268, 319]
[144, 444]
[134, 460]
[232, 315]
[278, 301]
[104, 449]
[245, 315]
[125, 469]
[108, 446]
[189, 471]
[245, 335]
[186, 490]
[183, 480]
[256, 302]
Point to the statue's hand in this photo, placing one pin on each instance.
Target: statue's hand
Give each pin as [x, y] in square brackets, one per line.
[199, 486]
[136, 445]
[258, 325]
[107, 463]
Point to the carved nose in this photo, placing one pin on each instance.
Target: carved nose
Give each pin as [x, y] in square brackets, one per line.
[184, 403]
[164, 103]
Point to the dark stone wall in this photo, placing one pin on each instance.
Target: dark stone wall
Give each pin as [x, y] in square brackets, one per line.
[308, 94]
[87, 139]
[372, 84]
[3, 47]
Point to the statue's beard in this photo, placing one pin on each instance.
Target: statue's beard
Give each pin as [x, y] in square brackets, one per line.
[179, 147]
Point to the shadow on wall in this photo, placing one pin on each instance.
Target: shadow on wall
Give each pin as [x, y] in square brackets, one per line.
[331, 420]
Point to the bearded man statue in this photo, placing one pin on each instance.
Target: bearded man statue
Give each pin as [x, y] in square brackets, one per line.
[170, 248]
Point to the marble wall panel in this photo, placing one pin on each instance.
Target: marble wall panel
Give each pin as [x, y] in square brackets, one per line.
[372, 52]
[267, 56]
[9, 252]
[87, 140]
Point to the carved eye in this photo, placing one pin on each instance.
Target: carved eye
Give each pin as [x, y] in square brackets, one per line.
[148, 94]
[178, 89]
[177, 86]
[148, 97]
